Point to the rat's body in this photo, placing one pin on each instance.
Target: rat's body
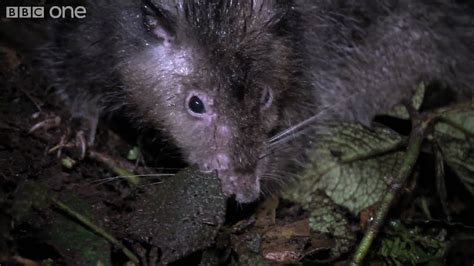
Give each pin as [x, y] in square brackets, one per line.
[221, 77]
[366, 56]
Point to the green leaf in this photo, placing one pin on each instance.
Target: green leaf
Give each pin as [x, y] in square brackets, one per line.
[76, 243]
[409, 246]
[326, 217]
[133, 154]
[352, 164]
[458, 125]
[454, 134]
[400, 111]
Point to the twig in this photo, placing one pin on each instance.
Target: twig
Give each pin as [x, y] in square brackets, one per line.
[84, 221]
[132, 179]
[33, 99]
[414, 146]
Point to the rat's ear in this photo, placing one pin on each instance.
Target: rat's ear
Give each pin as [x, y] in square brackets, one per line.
[158, 21]
[268, 12]
[263, 5]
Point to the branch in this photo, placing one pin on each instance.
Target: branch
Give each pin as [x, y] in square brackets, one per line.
[413, 150]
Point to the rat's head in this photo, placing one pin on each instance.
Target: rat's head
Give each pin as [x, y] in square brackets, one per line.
[213, 74]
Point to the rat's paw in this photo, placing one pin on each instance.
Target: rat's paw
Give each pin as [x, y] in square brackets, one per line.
[78, 137]
[74, 142]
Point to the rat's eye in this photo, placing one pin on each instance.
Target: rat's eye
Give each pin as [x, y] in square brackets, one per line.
[196, 106]
[267, 98]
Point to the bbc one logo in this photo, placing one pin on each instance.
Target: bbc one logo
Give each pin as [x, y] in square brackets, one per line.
[55, 12]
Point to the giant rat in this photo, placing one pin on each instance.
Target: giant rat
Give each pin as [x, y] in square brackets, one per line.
[231, 82]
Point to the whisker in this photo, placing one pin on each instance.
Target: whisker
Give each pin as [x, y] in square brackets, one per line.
[152, 184]
[276, 178]
[285, 176]
[294, 129]
[276, 147]
[166, 168]
[109, 179]
[289, 138]
[265, 192]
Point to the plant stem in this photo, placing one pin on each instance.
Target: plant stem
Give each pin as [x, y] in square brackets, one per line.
[132, 179]
[413, 150]
[84, 221]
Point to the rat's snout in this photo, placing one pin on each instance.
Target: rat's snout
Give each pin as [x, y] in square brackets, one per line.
[245, 187]
[234, 158]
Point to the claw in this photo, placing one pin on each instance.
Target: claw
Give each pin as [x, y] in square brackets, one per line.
[77, 137]
[46, 124]
[61, 145]
[81, 143]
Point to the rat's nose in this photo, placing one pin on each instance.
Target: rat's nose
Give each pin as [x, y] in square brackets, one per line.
[246, 188]
[219, 162]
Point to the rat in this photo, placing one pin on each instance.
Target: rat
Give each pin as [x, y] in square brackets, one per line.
[233, 83]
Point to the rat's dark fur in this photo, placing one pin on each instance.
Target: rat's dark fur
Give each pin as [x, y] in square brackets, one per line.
[366, 56]
[259, 68]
